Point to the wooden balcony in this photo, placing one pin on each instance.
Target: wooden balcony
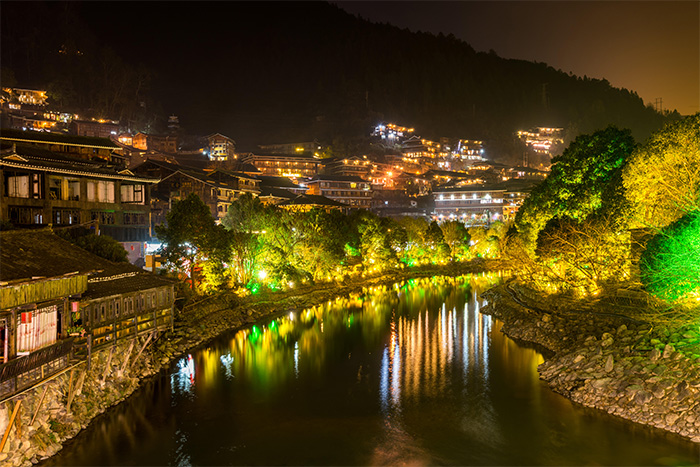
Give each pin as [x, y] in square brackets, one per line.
[24, 372]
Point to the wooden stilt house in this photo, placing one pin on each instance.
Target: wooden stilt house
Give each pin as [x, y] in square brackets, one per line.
[59, 303]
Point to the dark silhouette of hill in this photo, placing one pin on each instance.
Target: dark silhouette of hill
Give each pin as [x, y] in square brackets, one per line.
[278, 72]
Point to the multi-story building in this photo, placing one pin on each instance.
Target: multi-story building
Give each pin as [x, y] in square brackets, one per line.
[295, 167]
[39, 188]
[516, 191]
[159, 143]
[349, 190]
[416, 147]
[391, 135]
[95, 128]
[469, 150]
[542, 140]
[20, 96]
[221, 148]
[348, 166]
[216, 188]
[60, 304]
[474, 205]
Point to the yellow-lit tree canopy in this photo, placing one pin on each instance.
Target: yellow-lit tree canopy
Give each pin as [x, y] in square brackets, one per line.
[662, 179]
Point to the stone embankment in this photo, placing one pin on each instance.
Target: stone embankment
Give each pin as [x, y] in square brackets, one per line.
[609, 361]
[67, 403]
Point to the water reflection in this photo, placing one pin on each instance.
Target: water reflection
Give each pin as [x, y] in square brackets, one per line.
[406, 374]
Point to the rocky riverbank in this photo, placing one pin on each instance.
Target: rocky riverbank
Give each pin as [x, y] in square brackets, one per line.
[59, 409]
[609, 361]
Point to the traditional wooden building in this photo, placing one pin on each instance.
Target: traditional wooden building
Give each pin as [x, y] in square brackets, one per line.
[349, 190]
[216, 188]
[39, 187]
[292, 166]
[59, 303]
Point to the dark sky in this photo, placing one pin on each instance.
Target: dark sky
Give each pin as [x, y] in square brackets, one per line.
[651, 47]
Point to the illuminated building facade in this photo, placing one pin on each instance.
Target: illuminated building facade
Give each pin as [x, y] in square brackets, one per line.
[221, 148]
[473, 205]
[218, 189]
[297, 166]
[95, 128]
[542, 139]
[42, 188]
[19, 96]
[348, 166]
[416, 147]
[352, 191]
[469, 149]
[392, 134]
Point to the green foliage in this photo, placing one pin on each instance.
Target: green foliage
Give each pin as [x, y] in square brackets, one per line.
[189, 236]
[103, 246]
[578, 180]
[375, 245]
[662, 179]
[670, 265]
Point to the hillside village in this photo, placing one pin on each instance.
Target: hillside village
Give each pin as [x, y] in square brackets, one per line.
[60, 170]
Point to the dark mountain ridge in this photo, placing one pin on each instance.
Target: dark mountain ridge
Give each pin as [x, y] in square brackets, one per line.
[280, 72]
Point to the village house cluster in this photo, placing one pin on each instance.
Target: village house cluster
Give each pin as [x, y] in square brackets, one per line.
[61, 171]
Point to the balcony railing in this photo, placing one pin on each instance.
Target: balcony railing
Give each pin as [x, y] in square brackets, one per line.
[21, 373]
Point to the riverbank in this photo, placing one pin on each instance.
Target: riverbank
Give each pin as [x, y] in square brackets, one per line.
[56, 411]
[608, 361]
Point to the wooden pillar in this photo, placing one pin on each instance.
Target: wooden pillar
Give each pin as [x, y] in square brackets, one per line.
[9, 425]
[12, 335]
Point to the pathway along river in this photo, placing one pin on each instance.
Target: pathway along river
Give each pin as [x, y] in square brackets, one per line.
[410, 374]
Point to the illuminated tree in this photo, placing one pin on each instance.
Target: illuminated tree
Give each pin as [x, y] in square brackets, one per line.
[670, 265]
[662, 179]
[584, 256]
[189, 235]
[457, 239]
[375, 243]
[321, 249]
[578, 181]
[415, 251]
[245, 220]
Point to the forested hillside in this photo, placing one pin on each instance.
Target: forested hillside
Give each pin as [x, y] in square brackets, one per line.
[267, 72]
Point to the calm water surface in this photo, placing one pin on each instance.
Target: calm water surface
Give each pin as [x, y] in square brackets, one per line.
[410, 374]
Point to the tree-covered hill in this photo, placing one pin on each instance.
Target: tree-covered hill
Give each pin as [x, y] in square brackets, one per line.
[274, 72]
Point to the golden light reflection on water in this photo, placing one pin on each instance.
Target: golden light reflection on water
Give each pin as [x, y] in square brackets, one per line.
[431, 326]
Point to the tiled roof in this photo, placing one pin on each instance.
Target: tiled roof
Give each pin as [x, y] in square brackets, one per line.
[31, 254]
[31, 157]
[42, 137]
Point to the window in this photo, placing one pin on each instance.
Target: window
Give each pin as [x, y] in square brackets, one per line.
[21, 215]
[56, 188]
[135, 218]
[132, 193]
[17, 185]
[103, 217]
[73, 189]
[66, 216]
[100, 191]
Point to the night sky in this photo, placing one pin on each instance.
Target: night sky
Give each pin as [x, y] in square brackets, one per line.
[651, 47]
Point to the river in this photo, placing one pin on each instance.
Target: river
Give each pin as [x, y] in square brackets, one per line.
[409, 374]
